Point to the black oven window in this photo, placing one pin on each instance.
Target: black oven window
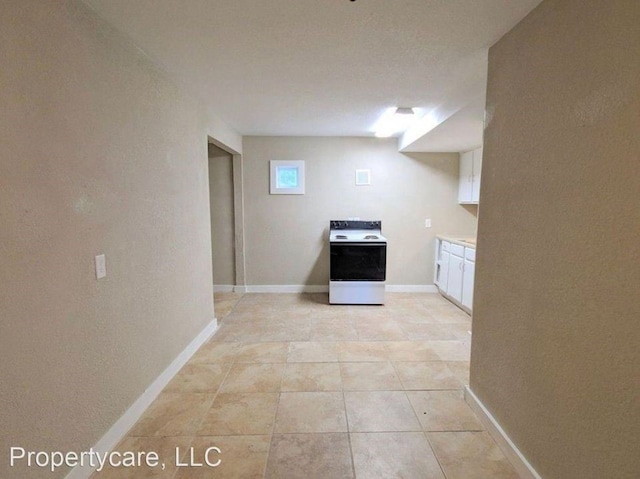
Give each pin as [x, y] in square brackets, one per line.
[358, 262]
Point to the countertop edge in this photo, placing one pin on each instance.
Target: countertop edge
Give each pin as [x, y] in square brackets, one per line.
[466, 242]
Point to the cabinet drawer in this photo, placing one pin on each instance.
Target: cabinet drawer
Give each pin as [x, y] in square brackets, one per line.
[458, 250]
[470, 254]
[446, 246]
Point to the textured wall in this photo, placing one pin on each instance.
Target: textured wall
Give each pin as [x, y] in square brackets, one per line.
[287, 235]
[100, 154]
[222, 222]
[556, 330]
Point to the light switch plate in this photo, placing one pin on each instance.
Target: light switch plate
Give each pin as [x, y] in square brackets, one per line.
[101, 266]
[427, 223]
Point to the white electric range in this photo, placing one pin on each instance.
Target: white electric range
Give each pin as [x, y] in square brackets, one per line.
[358, 251]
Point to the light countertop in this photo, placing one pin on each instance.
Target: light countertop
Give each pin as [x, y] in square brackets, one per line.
[469, 242]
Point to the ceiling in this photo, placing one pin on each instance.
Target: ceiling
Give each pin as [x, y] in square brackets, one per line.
[327, 67]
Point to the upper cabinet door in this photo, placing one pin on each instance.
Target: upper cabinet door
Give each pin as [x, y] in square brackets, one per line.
[477, 170]
[469, 181]
[465, 187]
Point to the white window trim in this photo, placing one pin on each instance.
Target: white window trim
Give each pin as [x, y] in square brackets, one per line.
[274, 189]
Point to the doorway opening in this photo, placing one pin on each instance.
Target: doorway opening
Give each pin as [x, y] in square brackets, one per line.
[227, 226]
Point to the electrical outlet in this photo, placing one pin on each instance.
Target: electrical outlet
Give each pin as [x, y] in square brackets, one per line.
[427, 223]
[101, 266]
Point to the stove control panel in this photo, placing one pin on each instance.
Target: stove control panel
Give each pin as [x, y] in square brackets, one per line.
[355, 225]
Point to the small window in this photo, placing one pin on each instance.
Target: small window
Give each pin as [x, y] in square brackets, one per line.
[287, 177]
[363, 177]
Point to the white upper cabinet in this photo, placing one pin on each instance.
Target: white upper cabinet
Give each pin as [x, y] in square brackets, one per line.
[469, 181]
[465, 185]
[477, 170]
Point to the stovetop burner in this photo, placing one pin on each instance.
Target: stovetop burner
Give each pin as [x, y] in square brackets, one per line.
[346, 231]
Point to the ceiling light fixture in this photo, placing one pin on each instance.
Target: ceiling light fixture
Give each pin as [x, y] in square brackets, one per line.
[393, 121]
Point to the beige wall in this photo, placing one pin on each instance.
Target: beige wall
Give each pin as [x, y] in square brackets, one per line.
[286, 235]
[556, 329]
[100, 154]
[222, 224]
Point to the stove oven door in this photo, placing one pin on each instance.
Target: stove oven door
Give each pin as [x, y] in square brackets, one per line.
[358, 261]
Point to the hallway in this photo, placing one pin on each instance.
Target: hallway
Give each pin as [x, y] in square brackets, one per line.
[290, 387]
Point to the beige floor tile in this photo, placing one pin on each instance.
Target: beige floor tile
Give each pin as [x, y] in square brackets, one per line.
[370, 314]
[387, 331]
[243, 311]
[224, 303]
[253, 378]
[451, 350]
[194, 377]
[312, 352]
[379, 411]
[275, 352]
[280, 332]
[443, 411]
[449, 309]
[369, 376]
[460, 369]
[337, 314]
[462, 331]
[263, 328]
[402, 455]
[173, 414]
[427, 331]
[240, 413]
[470, 455]
[164, 447]
[310, 456]
[410, 351]
[312, 377]
[426, 375]
[333, 332]
[301, 412]
[355, 351]
[417, 314]
[241, 457]
[226, 333]
[215, 352]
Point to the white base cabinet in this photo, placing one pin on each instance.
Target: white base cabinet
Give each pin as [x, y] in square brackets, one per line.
[454, 289]
[455, 271]
[467, 284]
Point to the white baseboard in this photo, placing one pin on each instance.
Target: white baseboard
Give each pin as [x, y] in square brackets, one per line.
[223, 288]
[517, 459]
[114, 435]
[321, 288]
[288, 288]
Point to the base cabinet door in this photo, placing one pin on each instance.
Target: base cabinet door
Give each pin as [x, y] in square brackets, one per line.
[454, 287]
[443, 271]
[467, 283]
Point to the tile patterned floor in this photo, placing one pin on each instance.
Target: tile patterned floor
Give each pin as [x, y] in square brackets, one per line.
[291, 387]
